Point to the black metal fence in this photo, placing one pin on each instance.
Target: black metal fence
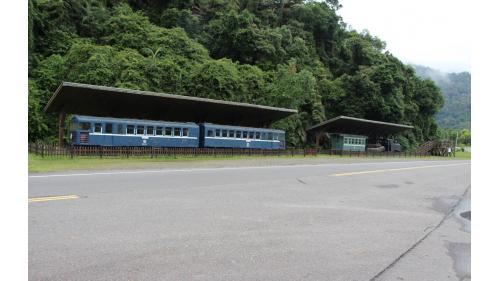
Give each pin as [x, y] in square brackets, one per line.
[52, 150]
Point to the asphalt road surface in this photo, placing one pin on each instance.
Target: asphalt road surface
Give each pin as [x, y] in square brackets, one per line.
[338, 221]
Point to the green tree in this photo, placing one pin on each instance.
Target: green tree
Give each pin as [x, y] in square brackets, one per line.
[294, 54]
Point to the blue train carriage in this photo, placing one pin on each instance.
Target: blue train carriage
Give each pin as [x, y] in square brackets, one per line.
[213, 135]
[105, 131]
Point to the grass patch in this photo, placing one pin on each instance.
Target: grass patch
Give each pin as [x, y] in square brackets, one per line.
[37, 164]
[462, 155]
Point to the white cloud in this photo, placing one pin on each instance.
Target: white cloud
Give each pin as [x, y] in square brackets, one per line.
[431, 33]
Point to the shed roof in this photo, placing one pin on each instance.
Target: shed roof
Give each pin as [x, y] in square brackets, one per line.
[85, 99]
[352, 125]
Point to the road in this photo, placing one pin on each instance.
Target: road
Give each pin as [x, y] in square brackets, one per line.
[337, 221]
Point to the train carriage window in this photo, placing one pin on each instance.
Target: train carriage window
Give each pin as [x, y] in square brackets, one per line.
[275, 136]
[257, 135]
[217, 132]
[85, 126]
[149, 130]
[210, 133]
[177, 132]
[185, 132]
[140, 130]
[224, 133]
[250, 135]
[130, 129]
[108, 128]
[245, 134]
[264, 136]
[238, 134]
[120, 129]
[168, 131]
[159, 131]
[269, 136]
[231, 134]
[98, 128]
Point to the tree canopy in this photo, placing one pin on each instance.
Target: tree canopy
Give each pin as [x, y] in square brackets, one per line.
[295, 54]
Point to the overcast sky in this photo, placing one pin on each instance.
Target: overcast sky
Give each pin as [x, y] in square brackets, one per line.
[431, 33]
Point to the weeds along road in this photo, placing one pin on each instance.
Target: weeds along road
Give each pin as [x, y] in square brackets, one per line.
[338, 221]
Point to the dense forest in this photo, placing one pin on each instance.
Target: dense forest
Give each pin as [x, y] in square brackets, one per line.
[456, 90]
[295, 54]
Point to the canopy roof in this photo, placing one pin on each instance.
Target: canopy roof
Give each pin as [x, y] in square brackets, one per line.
[75, 98]
[351, 125]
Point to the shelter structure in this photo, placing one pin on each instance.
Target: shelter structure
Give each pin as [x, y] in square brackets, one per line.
[102, 101]
[352, 133]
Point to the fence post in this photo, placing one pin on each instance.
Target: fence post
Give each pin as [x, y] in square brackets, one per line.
[43, 150]
[71, 151]
[100, 151]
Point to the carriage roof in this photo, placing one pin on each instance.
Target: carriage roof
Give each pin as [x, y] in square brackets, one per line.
[84, 118]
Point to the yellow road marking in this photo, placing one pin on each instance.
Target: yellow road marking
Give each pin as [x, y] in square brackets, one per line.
[393, 170]
[51, 198]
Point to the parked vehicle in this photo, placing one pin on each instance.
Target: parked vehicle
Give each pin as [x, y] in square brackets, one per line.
[105, 131]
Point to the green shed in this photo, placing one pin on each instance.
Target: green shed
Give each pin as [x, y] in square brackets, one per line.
[347, 142]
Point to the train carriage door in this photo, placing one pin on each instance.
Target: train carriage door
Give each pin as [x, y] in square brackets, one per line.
[201, 135]
[108, 134]
[281, 138]
[140, 133]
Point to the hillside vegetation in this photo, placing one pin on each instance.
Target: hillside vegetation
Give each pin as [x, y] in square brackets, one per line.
[456, 89]
[294, 54]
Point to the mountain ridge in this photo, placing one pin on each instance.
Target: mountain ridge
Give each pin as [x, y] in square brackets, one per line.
[456, 90]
